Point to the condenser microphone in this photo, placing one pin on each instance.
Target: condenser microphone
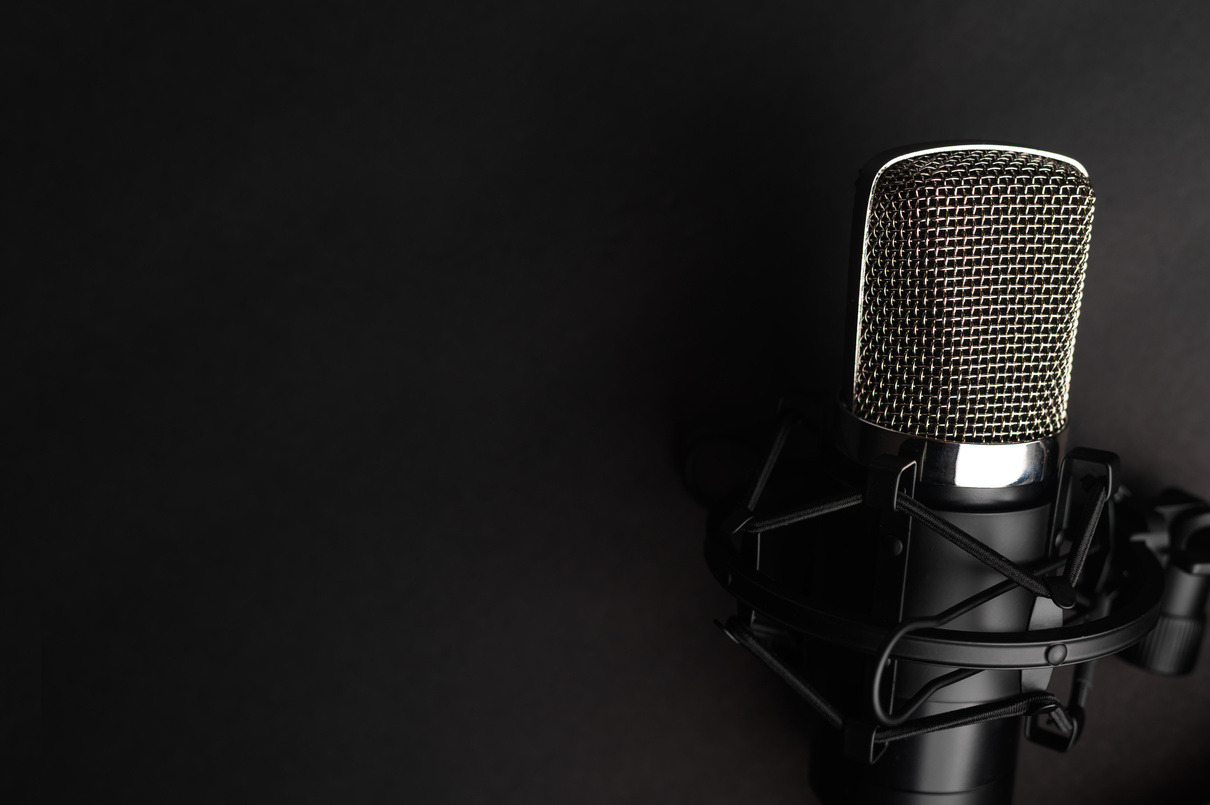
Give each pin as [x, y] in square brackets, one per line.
[968, 269]
[917, 601]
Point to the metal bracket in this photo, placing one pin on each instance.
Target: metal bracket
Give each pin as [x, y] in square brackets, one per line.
[1098, 463]
[859, 743]
[1069, 723]
[884, 481]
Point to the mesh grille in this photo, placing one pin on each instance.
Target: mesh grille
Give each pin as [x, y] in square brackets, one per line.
[974, 268]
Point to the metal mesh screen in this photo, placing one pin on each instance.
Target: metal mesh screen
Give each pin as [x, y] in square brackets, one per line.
[973, 273]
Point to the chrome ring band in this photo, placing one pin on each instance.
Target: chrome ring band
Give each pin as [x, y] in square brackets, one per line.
[978, 466]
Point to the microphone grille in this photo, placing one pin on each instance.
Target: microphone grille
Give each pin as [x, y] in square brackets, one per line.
[972, 272]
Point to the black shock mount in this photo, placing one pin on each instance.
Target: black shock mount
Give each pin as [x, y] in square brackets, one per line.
[1102, 584]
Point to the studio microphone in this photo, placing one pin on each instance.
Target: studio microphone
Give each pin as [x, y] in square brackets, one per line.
[966, 286]
[918, 602]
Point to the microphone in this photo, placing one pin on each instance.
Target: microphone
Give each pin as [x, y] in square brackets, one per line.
[964, 303]
[924, 620]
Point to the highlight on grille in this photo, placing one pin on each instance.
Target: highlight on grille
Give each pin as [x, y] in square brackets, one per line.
[973, 270]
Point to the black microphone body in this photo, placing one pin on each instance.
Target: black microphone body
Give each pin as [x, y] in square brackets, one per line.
[970, 764]
[969, 263]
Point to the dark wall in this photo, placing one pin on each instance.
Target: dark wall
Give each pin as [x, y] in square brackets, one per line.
[367, 335]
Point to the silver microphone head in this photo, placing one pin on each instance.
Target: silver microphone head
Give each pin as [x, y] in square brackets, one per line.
[971, 273]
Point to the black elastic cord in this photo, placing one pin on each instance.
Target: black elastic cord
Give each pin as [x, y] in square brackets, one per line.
[1075, 559]
[779, 441]
[996, 561]
[826, 507]
[1019, 705]
[742, 635]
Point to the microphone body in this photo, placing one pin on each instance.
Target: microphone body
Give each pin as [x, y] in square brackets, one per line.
[969, 264]
[973, 764]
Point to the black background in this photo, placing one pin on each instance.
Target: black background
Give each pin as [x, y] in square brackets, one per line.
[369, 332]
